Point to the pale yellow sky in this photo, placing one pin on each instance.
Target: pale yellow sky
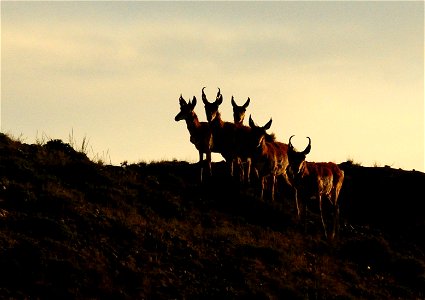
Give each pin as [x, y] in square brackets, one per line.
[348, 74]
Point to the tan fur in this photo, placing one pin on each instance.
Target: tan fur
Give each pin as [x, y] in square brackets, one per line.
[269, 157]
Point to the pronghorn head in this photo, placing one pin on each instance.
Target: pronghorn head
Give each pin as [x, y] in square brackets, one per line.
[297, 159]
[258, 133]
[186, 108]
[211, 109]
[239, 111]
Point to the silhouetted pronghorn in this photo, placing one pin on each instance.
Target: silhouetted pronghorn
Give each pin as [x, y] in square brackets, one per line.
[269, 157]
[238, 118]
[315, 179]
[228, 138]
[200, 133]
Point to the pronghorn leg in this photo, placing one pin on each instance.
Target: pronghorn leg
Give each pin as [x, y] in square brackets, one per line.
[208, 155]
[273, 183]
[319, 197]
[232, 161]
[263, 183]
[297, 204]
[248, 170]
[335, 205]
[201, 163]
[336, 221]
[240, 169]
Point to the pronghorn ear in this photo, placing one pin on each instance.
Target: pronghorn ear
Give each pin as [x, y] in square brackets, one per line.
[251, 122]
[268, 125]
[246, 103]
[307, 150]
[204, 97]
[193, 102]
[219, 98]
[233, 102]
[182, 101]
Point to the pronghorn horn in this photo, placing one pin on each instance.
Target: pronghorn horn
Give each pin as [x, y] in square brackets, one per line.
[308, 148]
[219, 98]
[268, 125]
[182, 101]
[246, 103]
[290, 143]
[233, 102]
[193, 102]
[204, 97]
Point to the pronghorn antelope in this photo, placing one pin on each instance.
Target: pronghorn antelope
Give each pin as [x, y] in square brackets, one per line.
[269, 156]
[200, 133]
[315, 179]
[223, 132]
[238, 118]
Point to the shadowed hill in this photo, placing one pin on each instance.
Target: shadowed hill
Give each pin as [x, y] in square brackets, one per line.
[74, 229]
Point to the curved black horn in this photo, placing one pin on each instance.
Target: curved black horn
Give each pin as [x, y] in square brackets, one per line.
[194, 102]
[290, 144]
[233, 102]
[246, 103]
[181, 100]
[308, 148]
[204, 97]
[219, 98]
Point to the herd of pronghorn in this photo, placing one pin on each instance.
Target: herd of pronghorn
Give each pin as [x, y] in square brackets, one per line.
[253, 151]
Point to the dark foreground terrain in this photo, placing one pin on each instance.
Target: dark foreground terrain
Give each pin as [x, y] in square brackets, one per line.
[74, 229]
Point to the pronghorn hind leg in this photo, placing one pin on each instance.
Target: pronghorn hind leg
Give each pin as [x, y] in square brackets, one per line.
[273, 183]
[335, 207]
[335, 228]
[319, 197]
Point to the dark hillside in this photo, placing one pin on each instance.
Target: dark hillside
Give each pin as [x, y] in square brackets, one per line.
[74, 229]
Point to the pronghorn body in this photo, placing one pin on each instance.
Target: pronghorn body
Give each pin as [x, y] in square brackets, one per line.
[317, 180]
[200, 133]
[241, 131]
[269, 157]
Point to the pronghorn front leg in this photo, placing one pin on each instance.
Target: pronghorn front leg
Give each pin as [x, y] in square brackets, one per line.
[273, 183]
[201, 163]
[208, 155]
[297, 204]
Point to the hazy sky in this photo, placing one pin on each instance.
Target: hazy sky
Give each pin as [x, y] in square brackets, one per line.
[348, 74]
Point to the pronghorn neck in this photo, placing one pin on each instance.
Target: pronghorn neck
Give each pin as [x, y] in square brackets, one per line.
[217, 121]
[192, 122]
[304, 171]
